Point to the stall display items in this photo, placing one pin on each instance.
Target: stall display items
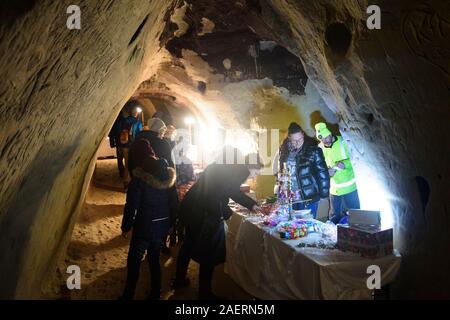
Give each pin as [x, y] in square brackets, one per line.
[368, 242]
[291, 230]
[321, 244]
[312, 225]
[274, 219]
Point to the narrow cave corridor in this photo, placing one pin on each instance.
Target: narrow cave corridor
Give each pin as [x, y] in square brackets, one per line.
[223, 73]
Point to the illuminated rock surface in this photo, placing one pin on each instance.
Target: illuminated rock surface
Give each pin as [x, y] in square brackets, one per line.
[234, 63]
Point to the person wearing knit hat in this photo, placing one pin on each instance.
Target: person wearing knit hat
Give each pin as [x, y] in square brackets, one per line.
[343, 190]
[157, 125]
[300, 156]
[322, 131]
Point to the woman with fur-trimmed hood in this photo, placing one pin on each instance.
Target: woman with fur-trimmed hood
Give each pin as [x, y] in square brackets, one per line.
[149, 211]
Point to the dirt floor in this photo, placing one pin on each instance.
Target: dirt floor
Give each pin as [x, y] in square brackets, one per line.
[101, 252]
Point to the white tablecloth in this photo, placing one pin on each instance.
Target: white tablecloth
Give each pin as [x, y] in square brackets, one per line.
[270, 268]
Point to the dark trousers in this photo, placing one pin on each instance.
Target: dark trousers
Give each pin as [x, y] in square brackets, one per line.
[120, 159]
[339, 204]
[138, 246]
[206, 269]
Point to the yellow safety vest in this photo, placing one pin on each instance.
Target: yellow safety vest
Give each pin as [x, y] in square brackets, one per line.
[343, 181]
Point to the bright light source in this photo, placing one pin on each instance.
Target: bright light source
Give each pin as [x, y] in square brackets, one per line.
[139, 110]
[242, 140]
[210, 138]
[189, 120]
[373, 194]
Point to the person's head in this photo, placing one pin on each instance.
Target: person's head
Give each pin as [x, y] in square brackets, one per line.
[143, 152]
[170, 132]
[135, 112]
[324, 134]
[132, 107]
[254, 164]
[296, 135]
[157, 125]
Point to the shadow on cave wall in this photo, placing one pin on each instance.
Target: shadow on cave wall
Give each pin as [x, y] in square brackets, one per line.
[22, 214]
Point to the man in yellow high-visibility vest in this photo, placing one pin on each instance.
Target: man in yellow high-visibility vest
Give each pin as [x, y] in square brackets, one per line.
[343, 191]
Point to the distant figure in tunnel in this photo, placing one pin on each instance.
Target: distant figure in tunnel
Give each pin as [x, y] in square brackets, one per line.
[203, 211]
[149, 211]
[169, 136]
[343, 191]
[129, 128]
[114, 142]
[310, 179]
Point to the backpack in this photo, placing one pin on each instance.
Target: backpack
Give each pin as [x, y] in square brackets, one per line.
[125, 133]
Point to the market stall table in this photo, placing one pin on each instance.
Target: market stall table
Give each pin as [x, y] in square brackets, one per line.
[268, 267]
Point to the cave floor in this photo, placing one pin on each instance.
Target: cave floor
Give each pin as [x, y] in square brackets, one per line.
[100, 251]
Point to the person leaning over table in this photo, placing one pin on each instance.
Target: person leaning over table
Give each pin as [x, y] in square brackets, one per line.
[310, 179]
[203, 211]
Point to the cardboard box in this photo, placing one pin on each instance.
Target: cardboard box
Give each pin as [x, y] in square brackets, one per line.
[369, 242]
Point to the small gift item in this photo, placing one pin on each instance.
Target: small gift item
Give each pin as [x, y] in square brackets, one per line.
[292, 230]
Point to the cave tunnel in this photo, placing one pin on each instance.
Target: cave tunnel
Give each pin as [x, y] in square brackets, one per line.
[223, 73]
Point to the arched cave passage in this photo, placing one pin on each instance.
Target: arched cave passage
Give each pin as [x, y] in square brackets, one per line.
[234, 65]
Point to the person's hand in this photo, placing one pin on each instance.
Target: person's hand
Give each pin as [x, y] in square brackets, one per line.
[331, 172]
[256, 208]
[340, 165]
[125, 234]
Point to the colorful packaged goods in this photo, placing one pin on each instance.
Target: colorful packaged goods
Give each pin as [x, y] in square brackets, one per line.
[312, 225]
[368, 242]
[291, 230]
[274, 219]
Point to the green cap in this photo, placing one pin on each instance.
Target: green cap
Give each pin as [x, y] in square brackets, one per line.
[322, 130]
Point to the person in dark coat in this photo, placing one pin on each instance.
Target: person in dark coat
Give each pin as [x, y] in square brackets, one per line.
[114, 142]
[310, 178]
[162, 149]
[149, 212]
[203, 211]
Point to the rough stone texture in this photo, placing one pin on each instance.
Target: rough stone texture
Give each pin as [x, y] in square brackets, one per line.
[62, 89]
[60, 93]
[390, 91]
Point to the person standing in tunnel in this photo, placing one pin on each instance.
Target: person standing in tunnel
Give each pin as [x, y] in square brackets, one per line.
[203, 211]
[130, 127]
[149, 211]
[343, 190]
[169, 136]
[114, 142]
[162, 149]
[310, 180]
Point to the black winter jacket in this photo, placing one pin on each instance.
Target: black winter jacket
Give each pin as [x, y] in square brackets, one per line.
[149, 200]
[312, 172]
[205, 206]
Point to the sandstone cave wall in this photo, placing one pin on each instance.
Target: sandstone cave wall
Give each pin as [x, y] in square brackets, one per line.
[60, 92]
[390, 91]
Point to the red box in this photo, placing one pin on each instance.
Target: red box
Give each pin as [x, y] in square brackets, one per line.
[368, 242]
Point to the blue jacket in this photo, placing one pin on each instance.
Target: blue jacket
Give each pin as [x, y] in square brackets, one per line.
[135, 124]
